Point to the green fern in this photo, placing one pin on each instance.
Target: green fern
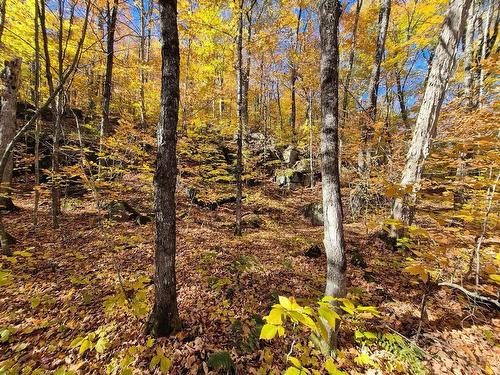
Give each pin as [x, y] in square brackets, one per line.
[221, 361]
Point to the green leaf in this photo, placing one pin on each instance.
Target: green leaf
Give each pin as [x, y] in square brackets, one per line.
[101, 344]
[76, 342]
[35, 302]
[150, 342]
[86, 345]
[154, 362]
[364, 359]
[332, 369]
[293, 371]
[22, 253]
[295, 361]
[268, 331]
[285, 302]
[5, 278]
[165, 364]
[329, 315]
[274, 317]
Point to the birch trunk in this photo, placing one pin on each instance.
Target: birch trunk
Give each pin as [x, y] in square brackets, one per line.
[10, 77]
[240, 81]
[367, 127]
[164, 319]
[425, 127]
[329, 14]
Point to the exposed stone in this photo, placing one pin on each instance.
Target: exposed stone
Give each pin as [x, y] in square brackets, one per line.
[314, 212]
[251, 221]
[290, 156]
[314, 251]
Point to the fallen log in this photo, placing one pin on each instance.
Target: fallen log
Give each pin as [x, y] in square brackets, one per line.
[474, 296]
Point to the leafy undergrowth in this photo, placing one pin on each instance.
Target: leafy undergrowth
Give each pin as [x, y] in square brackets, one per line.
[76, 299]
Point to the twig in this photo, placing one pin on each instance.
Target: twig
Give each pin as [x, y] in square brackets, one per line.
[485, 300]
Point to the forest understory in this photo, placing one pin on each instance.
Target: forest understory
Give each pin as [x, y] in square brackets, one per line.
[94, 274]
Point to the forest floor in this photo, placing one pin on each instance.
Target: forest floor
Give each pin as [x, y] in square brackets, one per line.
[94, 273]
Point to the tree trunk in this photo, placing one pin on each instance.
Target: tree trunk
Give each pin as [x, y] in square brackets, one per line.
[278, 102]
[164, 318]
[425, 127]
[108, 77]
[3, 5]
[402, 99]
[10, 77]
[329, 14]
[241, 117]
[36, 100]
[469, 58]
[293, 80]
[485, 50]
[352, 55]
[145, 20]
[310, 116]
[367, 127]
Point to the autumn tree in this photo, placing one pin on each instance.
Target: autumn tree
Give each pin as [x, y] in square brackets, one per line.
[164, 318]
[367, 127]
[111, 14]
[10, 77]
[329, 13]
[440, 72]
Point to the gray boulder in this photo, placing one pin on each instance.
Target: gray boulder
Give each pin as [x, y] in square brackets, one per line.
[314, 212]
[290, 156]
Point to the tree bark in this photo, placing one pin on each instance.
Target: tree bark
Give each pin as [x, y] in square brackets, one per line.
[3, 5]
[329, 14]
[485, 50]
[401, 99]
[164, 319]
[367, 127]
[36, 100]
[111, 17]
[10, 77]
[352, 55]
[469, 58]
[240, 81]
[145, 21]
[425, 127]
[293, 79]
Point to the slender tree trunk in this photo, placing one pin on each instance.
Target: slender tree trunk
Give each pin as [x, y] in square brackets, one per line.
[58, 111]
[246, 74]
[164, 319]
[367, 127]
[10, 77]
[485, 50]
[310, 115]
[108, 77]
[401, 99]
[469, 57]
[36, 100]
[240, 81]
[293, 106]
[142, 57]
[293, 79]
[425, 126]
[3, 5]
[352, 55]
[278, 101]
[329, 14]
